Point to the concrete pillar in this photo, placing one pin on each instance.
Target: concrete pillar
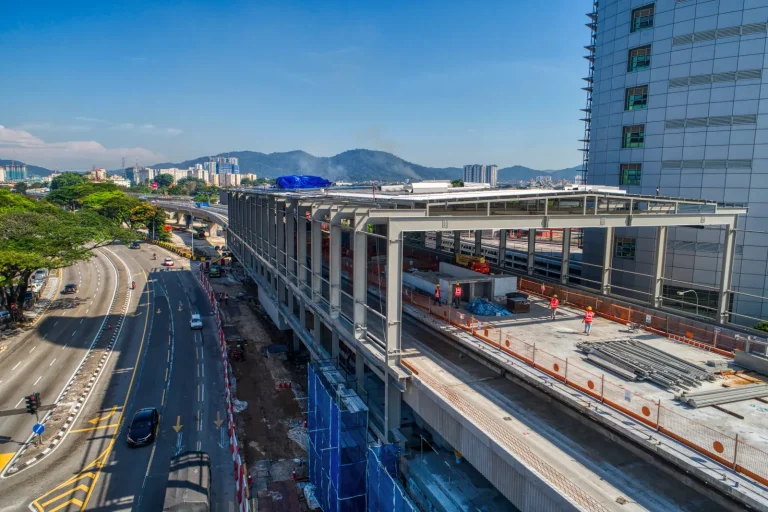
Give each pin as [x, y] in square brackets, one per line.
[261, 225]
[531, 250]
[290, 240]
[657, 288]
[318, 328]
[478, 249]
[393, 399]
[360, 279]
[725, 271]
[301, 247]
[280, 243]
[438, 240]
[502, 262]
[335, 265]
[212, 229]
[605, 281]
[456, 242]
[565, 256]
[334, 344]
[272, 229]
[317, 257]
[394, 309]
[360, 372]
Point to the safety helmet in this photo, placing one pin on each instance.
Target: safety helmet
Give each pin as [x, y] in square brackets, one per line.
[554, 296]
[589, 308]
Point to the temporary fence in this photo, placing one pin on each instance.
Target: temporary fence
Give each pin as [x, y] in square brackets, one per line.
[337, 424]
[239, 466]
[385, 493]
[727, 450]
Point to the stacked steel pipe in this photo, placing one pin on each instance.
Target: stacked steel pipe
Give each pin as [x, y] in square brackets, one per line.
[724, 395]
[634, 360]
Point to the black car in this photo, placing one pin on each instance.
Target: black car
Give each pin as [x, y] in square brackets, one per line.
[70, 288]
[143, 427]
[135, 245]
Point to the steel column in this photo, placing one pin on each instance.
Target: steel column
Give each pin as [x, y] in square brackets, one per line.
[657, 288]
[478, 249]
[317, 257]
[392, 407]
[724, 300]
[605, 278]
[531, 251]
[394, 310]
[290, 240]
[502, 254]
[335, 266]
[565, 256]
[457, 242]
[438, 240]
[360, 279]
[301, 247]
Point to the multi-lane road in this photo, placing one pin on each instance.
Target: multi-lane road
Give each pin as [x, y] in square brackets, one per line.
[155, 361]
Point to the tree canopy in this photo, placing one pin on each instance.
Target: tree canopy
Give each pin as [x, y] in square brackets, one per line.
[67, 179]
[164, 180]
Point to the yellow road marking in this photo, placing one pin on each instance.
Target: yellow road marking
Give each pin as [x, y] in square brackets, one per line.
[178, 424]
[105, 417]
[75, 502]
[81, 476]
[80, 487]
[89, 429]
[5, 458]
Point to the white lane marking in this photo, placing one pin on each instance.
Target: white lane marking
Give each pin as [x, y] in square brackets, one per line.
[33, 349]
[81, 320]
[38, 380]
[54, 360]
[17, 365]
[203, 393]
[87, 310]
[200, 422]
[54, 323]
[65, 346]
[202, 367]
[19, 403]
[73, 334]
[45, 335]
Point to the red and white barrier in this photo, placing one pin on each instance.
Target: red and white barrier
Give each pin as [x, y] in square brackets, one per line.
[240, 471]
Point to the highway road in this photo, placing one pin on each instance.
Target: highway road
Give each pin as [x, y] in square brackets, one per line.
[157, 362]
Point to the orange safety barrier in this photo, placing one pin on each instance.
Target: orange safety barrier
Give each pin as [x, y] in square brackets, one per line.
[630, 403]
[702, 438]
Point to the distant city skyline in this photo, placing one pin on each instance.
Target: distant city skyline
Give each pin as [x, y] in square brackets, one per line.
[395, 77]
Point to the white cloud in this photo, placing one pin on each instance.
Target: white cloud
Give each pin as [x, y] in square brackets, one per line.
[24, 146]
[90, 119]
[124, 126]
[146, 128]
[173, 131]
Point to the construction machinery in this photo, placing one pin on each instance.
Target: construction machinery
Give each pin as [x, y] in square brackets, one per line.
[476, 263]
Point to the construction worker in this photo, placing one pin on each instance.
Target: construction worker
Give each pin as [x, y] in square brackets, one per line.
[553, 303]
[588, 316]
[437, 295]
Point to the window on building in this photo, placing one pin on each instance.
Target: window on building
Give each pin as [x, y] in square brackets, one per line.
[634, 136]
[630, 174]
[636, 98]
[624, 247]
[642, 18]
[639, 58]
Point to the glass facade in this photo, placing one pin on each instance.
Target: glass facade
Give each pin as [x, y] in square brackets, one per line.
[639, 58]
[631, 174]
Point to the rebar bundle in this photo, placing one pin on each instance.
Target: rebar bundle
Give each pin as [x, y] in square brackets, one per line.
[634, 360]
[724, 395]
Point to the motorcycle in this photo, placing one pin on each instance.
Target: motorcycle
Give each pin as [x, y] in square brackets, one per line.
[133, 285]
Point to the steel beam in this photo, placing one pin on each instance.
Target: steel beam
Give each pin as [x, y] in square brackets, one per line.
[724, 298]
[657, 291]
[565, 257]
[605, 278]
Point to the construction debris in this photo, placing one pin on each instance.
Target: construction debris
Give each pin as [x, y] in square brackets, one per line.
[724, 395]
[634, 360]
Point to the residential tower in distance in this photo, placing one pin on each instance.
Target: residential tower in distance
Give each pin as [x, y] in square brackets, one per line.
[481, 174]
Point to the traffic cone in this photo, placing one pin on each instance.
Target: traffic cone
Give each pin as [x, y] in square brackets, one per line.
[293, 474]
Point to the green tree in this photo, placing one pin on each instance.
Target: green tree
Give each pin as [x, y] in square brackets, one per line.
[151, 217]
[246, 182]
[191, 185]
[762, 326]
[20, 188]
[176, 190]
[164, 180]
[141, 189]
[39, 235]
[67, 179]
[36, 184]
[457, 183]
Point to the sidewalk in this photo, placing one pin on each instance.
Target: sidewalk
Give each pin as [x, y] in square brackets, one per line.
[34, 314]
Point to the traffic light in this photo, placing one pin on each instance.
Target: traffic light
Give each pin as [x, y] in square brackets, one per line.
[33, 403]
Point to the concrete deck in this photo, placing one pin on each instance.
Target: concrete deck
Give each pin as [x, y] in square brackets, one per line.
[560, 337]
[611, 475]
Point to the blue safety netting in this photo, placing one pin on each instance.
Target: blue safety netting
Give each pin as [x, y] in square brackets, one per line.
[292, 182]
[337, 423]
[483, 307]
[385, 493]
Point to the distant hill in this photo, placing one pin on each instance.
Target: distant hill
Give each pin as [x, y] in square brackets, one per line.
[358, 165]
[32, 170]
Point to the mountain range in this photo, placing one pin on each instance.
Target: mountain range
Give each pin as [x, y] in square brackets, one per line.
[360, 165]
[352, 165]
[32, 170]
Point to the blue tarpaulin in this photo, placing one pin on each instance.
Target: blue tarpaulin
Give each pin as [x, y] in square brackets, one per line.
[483, 307]
[292, 182]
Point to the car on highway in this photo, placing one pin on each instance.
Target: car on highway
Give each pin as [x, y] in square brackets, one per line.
[168, 262]
[143, 427]
[135, 245]
[40, 275]
[70, 288]
[196, 322]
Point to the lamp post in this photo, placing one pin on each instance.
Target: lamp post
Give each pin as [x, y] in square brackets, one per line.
[695, 294]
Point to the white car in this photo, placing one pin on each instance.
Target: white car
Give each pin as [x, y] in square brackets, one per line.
[196, 322]
[168, 262]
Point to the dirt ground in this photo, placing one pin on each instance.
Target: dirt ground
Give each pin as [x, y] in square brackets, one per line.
[273, 420]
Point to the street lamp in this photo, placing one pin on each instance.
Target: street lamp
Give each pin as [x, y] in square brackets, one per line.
[695, 294]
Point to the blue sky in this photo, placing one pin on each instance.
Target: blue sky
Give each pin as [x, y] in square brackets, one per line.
[437, 83]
